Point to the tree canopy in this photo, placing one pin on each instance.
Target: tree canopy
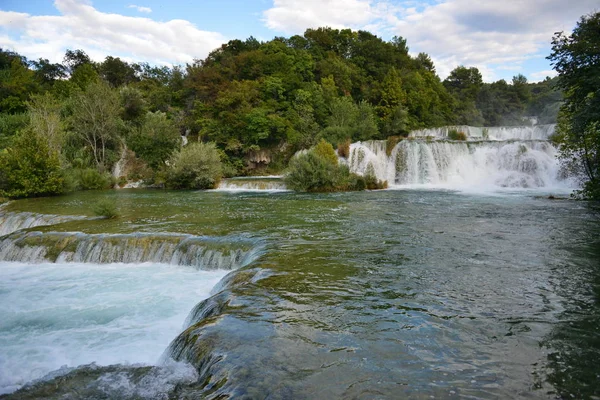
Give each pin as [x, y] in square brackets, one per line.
[576, 58]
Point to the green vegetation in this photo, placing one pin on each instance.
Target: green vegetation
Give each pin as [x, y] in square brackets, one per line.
[454, 134]
[577, 60]
[106, 208]
[196, 166]
[258, 102]
[318, 170]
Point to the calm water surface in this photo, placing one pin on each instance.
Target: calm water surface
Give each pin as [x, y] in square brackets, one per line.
[392, 294]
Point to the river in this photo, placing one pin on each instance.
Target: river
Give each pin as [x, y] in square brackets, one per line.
[404, 293]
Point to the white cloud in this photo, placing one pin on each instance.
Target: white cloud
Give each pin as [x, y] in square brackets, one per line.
[99, 34]
[140, 8]
[484, 34]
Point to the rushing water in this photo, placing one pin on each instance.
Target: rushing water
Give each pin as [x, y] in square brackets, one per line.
[388, 294]
[490, 158]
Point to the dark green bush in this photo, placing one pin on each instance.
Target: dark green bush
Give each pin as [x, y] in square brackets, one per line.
[196, 166]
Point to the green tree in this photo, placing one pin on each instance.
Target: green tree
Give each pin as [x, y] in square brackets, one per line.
[95, 122]
[576, 58]
[155, 140]
[45, 120]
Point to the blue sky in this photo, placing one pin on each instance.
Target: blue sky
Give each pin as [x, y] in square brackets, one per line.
[500, 37]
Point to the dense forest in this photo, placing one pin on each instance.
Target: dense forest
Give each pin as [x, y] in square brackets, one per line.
[65, 126]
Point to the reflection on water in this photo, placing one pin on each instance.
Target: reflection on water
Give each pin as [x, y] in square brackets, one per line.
[395, 294]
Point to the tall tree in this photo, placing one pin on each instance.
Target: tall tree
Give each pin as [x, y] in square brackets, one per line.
[576, 58]
[95, 122]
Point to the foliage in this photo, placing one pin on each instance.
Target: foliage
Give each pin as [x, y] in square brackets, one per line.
[45, 120]
[343, 149]
[391, 143]
[106, 208]
[30, 168]
[250, 97]
[155, 140]
[325, 150]
[196, 166]
[454, 134]
[317, 171]
[576, 58]
[87, 179]
[95, 123]
[10, 125]
[312, 172]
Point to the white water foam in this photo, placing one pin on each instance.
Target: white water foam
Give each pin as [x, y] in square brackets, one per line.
[14, 221]
[472, 166]
[253, 184]
[56, 315]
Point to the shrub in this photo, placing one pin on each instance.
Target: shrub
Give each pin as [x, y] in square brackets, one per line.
[325, 150]
[314, 171]
[30, 168]
[454, 134]
[196, 166]
[106, 208]
[87, 179]
[391, 143]
[343, 149]
[311, 172]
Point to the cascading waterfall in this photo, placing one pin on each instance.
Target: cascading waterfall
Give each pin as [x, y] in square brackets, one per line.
[535, 132]
[204, 253]
[106, 299]
[511, 157]
[14, 221]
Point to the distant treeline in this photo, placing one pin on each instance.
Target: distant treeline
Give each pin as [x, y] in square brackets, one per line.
[259, 102]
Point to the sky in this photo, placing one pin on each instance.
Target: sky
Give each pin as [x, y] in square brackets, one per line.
[500, 37]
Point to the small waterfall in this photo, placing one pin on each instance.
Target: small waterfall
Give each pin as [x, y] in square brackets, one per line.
[535, 132]
[252, 184]
[205, 253]
[14, 221]
[512, 157]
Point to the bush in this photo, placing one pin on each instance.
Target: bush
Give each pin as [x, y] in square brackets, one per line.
[453, 134]
[88, 179]
[30, 168]
[106, 208]
[391, 143]
[315, 171]
[343, 149]
[196, 166]
[312, 172]
[325, 150]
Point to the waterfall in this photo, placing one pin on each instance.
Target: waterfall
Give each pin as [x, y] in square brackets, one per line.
[14, 221]
[204, 253]
[253, 184]
[535, 132]
[509, 157]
